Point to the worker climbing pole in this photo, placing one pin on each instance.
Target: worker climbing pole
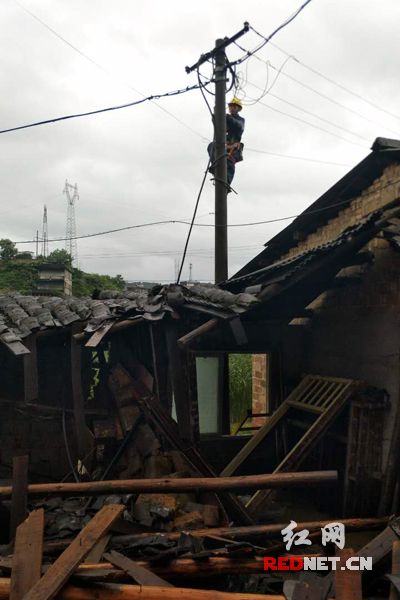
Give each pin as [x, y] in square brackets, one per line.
[234, 147]
[226, 149]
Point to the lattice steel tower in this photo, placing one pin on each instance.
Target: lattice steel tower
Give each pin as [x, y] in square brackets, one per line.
[71, 246]
[45, 234]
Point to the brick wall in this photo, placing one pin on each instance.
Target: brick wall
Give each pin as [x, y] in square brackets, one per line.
[383, 190]
[259, 386]
[355, 330]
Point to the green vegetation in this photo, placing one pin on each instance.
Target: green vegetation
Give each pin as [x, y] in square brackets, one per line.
[84, 284]
[240, 387]
[21, 276]
[8, 249]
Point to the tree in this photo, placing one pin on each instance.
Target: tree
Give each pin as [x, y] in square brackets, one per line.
[60, 256]
[8, 249]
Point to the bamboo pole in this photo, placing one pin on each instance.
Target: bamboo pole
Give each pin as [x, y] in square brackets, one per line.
[111, 591]
[167, 485]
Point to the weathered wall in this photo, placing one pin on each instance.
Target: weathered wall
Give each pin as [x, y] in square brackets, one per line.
[355, 332]
[377, 195]
[40, 436]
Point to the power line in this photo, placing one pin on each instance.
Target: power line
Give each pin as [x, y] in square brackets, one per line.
[326, 97]
[308, 112]
[183, 222]
[192, 222]
[315, 160]
[281, 112]
[308, 87]
[99, 66]
[339, 85]
[269, 38]
[102, 110]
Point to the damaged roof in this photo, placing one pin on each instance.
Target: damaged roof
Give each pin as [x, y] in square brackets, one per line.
[22, 315]
[292, 283]
[338, 197]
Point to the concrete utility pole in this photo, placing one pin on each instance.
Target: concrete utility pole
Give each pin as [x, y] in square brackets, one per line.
[221, 211]
[220, 170]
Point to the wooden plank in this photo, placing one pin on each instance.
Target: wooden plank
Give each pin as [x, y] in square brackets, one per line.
[160, 365]
[316, 410]
[31, 384]
[239, 332]
[95, 555]
[322, 392]
[206, 327]
[117, 327]
[140, 574]
[335, 394]
[179, 384]
[347, 583]
[256, 439]
[98, 335]
[27, 557]
[19, 493]
[395, 569]
[84, 436]
[168, 485]
[311, 390]
[61, 570]
[300, 450]
[137, 592]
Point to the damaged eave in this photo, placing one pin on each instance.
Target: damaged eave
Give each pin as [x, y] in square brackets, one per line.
[290, 286]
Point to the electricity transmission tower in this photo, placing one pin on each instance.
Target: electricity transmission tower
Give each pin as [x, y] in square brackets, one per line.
[71, 191]
[45, 234]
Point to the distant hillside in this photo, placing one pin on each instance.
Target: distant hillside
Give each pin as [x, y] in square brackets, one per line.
[20, 276]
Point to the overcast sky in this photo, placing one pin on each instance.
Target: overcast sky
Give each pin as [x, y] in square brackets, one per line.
[140, 164]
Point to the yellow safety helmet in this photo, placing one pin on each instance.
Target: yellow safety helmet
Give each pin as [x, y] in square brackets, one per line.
[236, 102]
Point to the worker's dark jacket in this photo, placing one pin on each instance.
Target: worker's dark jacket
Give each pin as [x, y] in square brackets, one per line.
[234, 128]
[234, 131]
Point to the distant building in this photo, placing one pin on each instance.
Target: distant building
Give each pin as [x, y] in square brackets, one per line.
[54, 279]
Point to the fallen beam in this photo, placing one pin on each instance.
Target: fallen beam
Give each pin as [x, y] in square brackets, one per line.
[110, 591]
[61, 570]
[166, 485]
[237, 533]
[116, 327]
[206, 327]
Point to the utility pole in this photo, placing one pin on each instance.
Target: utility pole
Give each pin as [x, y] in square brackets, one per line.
[221, 210]
[45, 234]
[220, 167]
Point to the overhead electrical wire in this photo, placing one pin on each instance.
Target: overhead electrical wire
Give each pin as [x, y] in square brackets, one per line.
[333, 82]
[314, 160]
[192, 222]
[267, 39]
[110, 74]
[184, 222]
[312, 114]
[277, 110]
[102, 68]
[310, 88]
[325, 96]
[102, 110]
